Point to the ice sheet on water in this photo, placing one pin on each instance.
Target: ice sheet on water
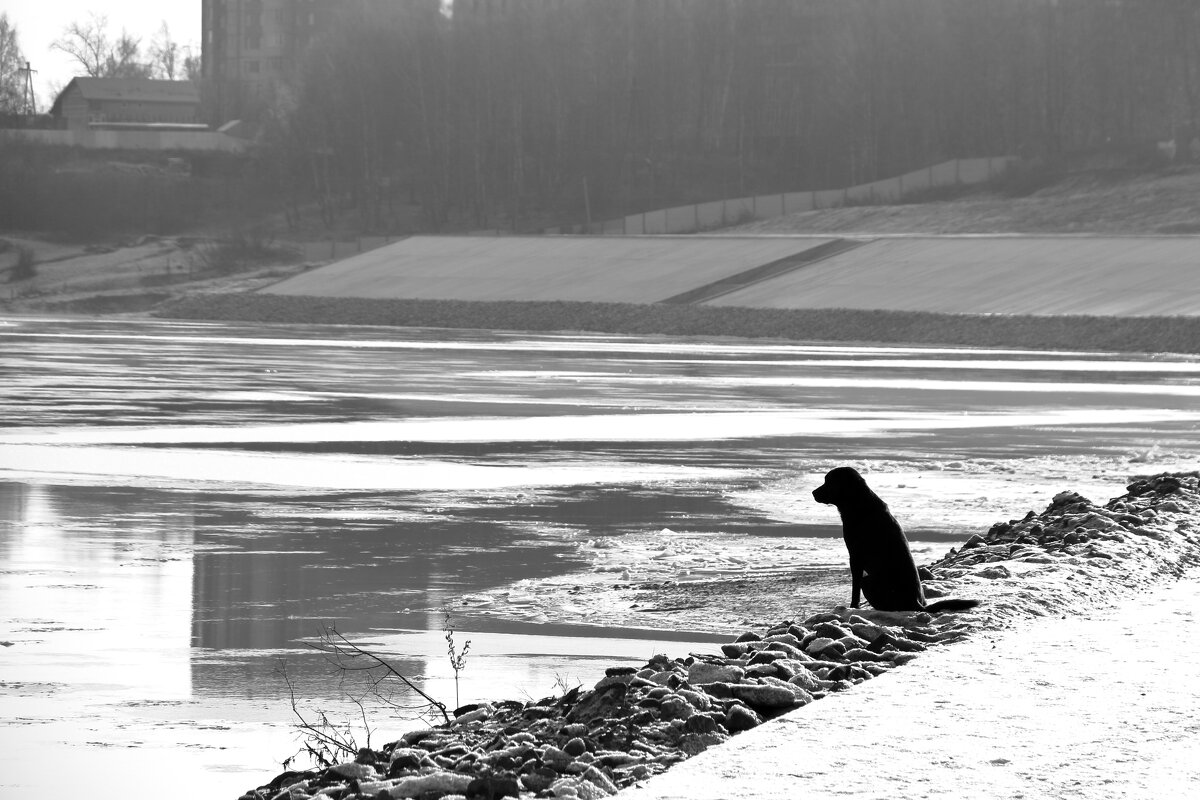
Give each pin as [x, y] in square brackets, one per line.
[799, 381]
[648, 427]
[958, 496]
[241, 470]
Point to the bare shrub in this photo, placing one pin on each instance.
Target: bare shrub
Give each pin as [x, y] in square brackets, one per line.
[365, 679]
[243, 249]
[458, 658]
[327, 741]
[26, 266]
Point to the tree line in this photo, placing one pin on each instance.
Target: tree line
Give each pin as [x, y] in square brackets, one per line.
[12, 62]
[524, 113]
[504, 109]
[99, 53]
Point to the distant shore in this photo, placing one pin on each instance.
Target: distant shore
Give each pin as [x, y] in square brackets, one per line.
[1113, 334]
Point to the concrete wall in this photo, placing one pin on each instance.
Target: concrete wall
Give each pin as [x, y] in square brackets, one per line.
[724, 213]
[334, 249]
[210, 141]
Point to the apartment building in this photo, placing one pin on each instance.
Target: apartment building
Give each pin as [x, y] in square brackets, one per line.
[249, 46]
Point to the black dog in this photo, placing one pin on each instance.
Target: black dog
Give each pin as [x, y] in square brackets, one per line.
[881, 565]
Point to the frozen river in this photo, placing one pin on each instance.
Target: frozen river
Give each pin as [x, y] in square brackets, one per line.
[182, 504]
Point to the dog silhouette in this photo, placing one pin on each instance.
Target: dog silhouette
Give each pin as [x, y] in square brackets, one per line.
[881, 566]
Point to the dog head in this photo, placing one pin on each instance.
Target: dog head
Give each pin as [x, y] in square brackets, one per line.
[842, 485]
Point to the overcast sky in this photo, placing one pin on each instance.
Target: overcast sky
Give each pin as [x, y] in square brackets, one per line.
[40, 22]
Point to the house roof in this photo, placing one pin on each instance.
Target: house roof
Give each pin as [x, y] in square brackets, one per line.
[142, 90]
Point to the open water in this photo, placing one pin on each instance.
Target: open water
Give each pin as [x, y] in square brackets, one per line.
[183, 505]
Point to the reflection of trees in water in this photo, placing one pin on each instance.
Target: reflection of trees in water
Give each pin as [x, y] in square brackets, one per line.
[21, 505]
[256, 674]
[631, 509]
[285, 569]
[109, 564]
[102, 519]
[87, 530]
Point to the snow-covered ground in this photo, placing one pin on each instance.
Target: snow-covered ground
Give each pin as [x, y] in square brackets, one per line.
[1097, 706]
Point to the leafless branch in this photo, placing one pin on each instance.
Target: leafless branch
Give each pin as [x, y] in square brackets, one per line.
[86, 42]
[323, 741]
[349, 657]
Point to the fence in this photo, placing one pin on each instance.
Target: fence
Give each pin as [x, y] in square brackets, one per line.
[723, 213]
[146, 274]
[335, 250]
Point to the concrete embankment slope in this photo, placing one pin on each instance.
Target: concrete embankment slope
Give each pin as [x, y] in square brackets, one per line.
[1127, 276]
[1042, 275]
[641, 269]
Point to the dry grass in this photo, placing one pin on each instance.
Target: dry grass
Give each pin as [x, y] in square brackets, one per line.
[1094, 202]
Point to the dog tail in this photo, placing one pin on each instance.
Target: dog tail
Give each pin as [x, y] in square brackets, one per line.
[950, 605]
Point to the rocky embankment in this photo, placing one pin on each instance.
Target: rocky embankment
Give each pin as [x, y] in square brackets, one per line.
[1178, 334]
[635, 723]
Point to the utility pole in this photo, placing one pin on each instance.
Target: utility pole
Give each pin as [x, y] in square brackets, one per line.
[29, 101]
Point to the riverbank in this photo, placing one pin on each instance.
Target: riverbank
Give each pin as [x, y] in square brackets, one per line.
[1113, 334]
[634, 724]
[1093, 705]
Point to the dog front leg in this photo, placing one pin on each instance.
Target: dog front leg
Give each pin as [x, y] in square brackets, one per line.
[856, 576]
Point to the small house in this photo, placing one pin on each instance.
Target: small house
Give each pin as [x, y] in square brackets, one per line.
[91, 101]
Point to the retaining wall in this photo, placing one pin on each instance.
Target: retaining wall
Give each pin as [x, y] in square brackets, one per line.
[209, 141]
[723, 213]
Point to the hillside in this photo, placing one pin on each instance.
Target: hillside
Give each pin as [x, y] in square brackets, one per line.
[1168, 201]
[1095, 202]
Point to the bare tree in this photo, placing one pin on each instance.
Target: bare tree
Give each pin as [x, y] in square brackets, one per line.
[100, 56]
[12, 79]
[87, 42]
[192, 67]
[168, 58]
[125, 60]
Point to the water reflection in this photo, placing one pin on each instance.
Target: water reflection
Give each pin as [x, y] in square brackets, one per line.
[103, 567]
[251, 572]
[288, 573]
[139, 611]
